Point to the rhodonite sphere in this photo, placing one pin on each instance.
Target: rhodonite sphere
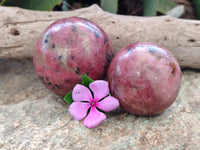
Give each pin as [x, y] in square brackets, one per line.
[145, 78]
[68, 49]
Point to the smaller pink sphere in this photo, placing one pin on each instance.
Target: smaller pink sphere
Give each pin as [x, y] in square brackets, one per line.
[146, 78]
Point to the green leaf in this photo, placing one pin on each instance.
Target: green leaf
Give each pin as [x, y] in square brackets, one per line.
[110, 5]
[32, 4]
[197, 7]
[152, 7]
[86, 80]
[68, 98]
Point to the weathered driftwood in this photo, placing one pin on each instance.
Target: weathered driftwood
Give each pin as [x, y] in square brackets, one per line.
[19, 30]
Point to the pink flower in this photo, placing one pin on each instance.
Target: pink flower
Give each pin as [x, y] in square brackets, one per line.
[84, 100]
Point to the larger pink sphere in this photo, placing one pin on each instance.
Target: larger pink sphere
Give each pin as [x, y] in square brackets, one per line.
[68, 49]
[146, 78]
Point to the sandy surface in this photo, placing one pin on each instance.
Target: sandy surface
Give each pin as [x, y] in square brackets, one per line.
[31, 117]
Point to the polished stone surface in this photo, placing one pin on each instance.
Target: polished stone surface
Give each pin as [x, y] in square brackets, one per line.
[145, 78]
[68, 49]
[31, 117]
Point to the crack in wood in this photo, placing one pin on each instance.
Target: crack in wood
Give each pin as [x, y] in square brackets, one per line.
[9, 47]
[26, 22]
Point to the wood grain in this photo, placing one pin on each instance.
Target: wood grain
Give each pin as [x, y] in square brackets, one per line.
[20, 28]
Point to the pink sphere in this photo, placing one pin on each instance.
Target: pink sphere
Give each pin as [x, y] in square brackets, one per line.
[68, 49]
[146, 78]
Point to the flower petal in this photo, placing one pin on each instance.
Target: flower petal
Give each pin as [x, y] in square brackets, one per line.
[108, 104]
[94, 118]
[99, 88]
[81, 93]
[78, 110]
